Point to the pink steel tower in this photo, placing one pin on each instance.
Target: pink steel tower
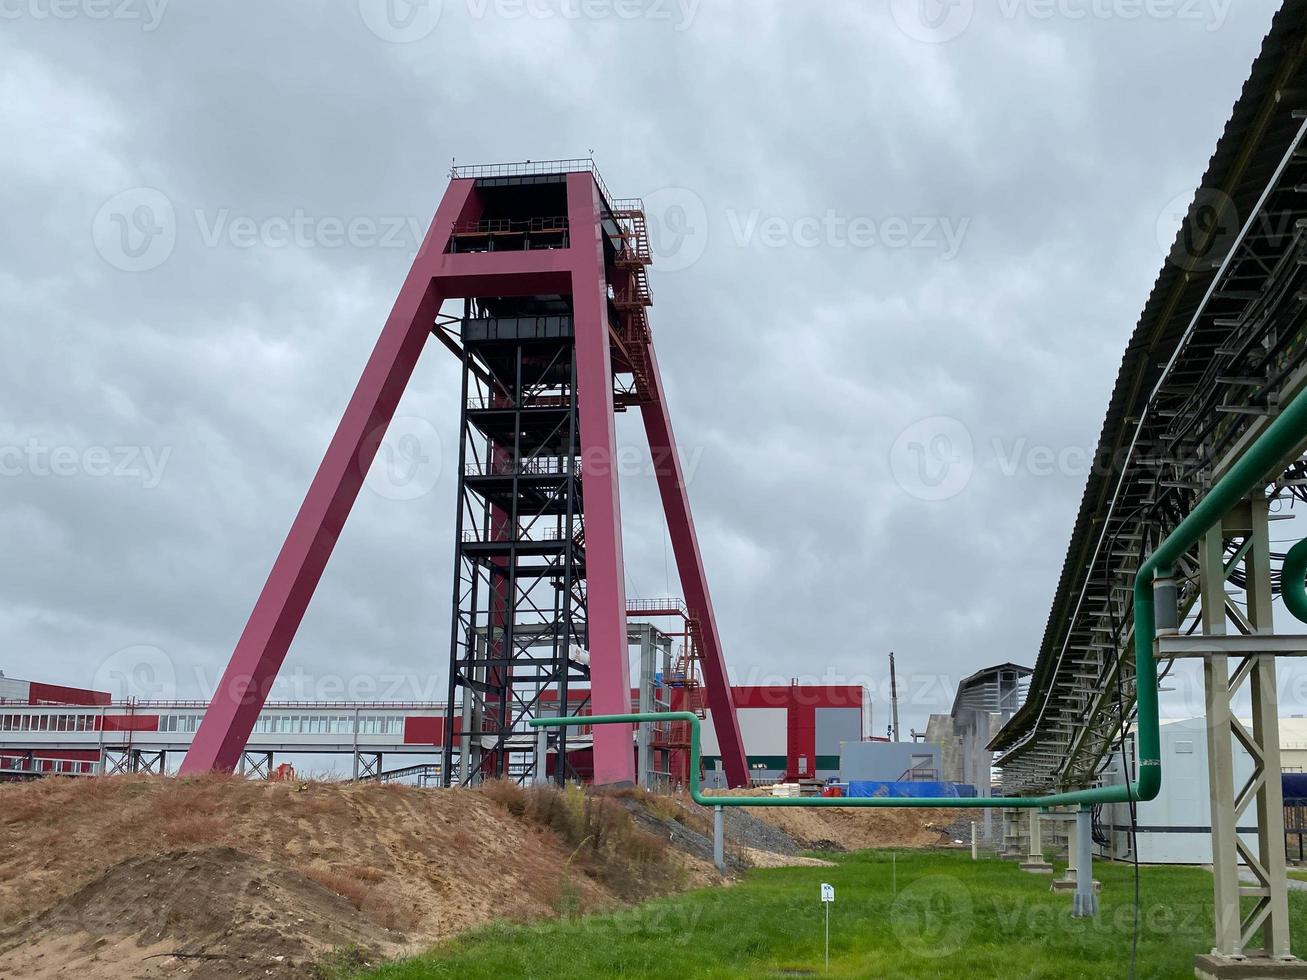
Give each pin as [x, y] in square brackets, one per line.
[554, 338]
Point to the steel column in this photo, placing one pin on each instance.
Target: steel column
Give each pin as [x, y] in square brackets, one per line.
[1220, 753]
[719, 839]
[277, 615]
[1269, 913]
[542, 757]
[644, 732]
[1266, 735]
[689, 566]
[1086, 902]
[1036, 855]
[610, 692]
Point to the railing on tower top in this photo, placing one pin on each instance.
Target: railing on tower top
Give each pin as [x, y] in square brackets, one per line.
[531, 167]
[671, 607]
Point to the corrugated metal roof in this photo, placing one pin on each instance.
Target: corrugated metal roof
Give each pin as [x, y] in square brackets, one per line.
[1255, 139]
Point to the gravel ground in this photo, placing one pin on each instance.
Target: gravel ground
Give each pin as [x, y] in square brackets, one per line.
[748, 831]
[742, 830]
[679, 835]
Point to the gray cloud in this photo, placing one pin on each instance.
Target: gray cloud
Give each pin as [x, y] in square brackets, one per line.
[792, 367]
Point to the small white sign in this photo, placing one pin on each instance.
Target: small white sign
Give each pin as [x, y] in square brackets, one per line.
[827, 892]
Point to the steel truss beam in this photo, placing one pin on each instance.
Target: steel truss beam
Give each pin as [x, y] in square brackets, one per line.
[1241, 350]
[1269, 912]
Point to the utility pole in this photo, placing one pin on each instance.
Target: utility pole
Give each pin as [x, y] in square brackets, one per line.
[893, 700]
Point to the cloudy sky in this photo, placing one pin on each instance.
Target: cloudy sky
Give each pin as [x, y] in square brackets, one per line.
[875, 224]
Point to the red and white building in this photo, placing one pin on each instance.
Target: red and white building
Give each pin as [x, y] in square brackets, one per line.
[789, 731]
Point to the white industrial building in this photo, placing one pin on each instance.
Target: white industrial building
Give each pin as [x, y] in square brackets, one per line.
[1176, 827]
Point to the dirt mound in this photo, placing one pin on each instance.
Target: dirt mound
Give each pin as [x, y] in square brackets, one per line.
[217, 913]
[850, 829]
[98, 874]
[137, 876]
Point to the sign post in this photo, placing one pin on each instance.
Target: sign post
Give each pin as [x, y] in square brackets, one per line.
[827, 899]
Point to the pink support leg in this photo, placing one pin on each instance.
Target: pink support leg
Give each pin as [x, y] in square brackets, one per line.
[610, 683]
[694, 583]
[277, 616]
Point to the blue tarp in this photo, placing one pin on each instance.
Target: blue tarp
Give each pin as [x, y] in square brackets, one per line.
[1295, 785]
[899, 790]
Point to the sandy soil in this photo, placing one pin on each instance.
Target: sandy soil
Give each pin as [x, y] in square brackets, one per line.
[99, 875]
[770, 859]
[840, 829]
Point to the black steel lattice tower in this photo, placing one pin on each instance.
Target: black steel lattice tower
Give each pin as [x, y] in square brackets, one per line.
[519, 627]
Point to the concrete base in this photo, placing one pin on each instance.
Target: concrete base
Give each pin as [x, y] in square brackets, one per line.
[1069, 885]
[1036, 867]
[1210, 967]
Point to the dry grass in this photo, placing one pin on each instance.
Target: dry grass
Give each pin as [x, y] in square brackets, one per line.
[361, 887]
[351, 889]
[366, 873]
[605, 841]
[192, 828]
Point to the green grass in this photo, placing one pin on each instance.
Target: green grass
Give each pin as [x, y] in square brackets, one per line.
[924, 915]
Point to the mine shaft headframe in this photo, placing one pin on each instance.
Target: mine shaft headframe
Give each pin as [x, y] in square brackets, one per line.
[525, 246]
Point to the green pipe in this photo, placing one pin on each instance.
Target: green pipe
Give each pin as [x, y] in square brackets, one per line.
[1292, 576]
[1282, 437]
